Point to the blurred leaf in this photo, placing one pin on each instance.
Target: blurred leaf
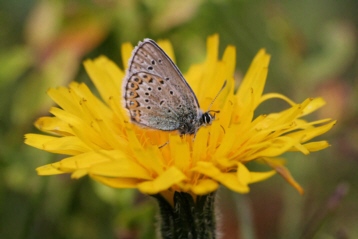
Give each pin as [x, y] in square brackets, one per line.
[172, 13]
[30, 96]
[43, 23]
[337, 50]
[14, 63]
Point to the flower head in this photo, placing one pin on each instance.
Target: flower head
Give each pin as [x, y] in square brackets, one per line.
[100, 141]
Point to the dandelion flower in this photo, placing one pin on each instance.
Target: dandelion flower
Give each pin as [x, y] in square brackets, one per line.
[99, 140]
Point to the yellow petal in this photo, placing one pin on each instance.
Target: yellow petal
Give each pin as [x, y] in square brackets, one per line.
[194, 78]
[269, 96]
[79, 173]
[311, 132]
[274, 148]
[205, 186]
[289, 115]
[230, 180]
[103, 80]
[247, 177]
[212, 46]
[315, 104]
[209, 72]
[180, 153]
[285, 173]
[260, 176]
[69, 145]
[243, 174]
[105, 163]
[82, 129]
[116, 74]
[53, 125]
[229, 140]
[316, 146]
[168, 48]
[121, 168]
[229, 60]
[149, 157]
[199, 148]
[318, 130]
[117, 182]
[126, 51]
[48, 169]
[62, 96]
[163, 182]
[254, 80]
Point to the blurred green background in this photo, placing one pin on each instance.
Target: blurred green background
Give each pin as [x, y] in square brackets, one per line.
[314, 53]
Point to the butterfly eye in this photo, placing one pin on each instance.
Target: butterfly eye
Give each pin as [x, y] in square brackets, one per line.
[206, 118]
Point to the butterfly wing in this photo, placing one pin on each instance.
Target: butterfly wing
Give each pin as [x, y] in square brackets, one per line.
[155, 92]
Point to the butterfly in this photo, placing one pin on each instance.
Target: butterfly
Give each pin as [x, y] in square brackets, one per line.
[156, 94]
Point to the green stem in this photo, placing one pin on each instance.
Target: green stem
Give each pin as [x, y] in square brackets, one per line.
[187, 219]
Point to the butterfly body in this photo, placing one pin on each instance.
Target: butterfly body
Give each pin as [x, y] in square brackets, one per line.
[157, 95]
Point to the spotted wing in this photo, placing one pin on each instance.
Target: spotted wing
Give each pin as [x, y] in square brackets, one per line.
[155, 92]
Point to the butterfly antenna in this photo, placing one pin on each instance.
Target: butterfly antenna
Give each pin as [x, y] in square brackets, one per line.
[212, 102]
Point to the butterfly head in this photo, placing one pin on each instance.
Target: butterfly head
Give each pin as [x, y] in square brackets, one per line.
[206, 118]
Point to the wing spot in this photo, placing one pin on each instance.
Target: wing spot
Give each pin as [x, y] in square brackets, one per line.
[153, 62]
[151, 80]
[149, 88]
[133, 104]
[138, 80]
[171, 92]
[161, 102]
[133, 86]
[136, 114]
[160, 60]
[146, 93]
[146, 100]
[150, 68]
[166, 78]
[148, 107]
[133, 94]
[159, 88]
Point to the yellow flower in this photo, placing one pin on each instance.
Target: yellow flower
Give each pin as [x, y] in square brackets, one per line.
[101, 142]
